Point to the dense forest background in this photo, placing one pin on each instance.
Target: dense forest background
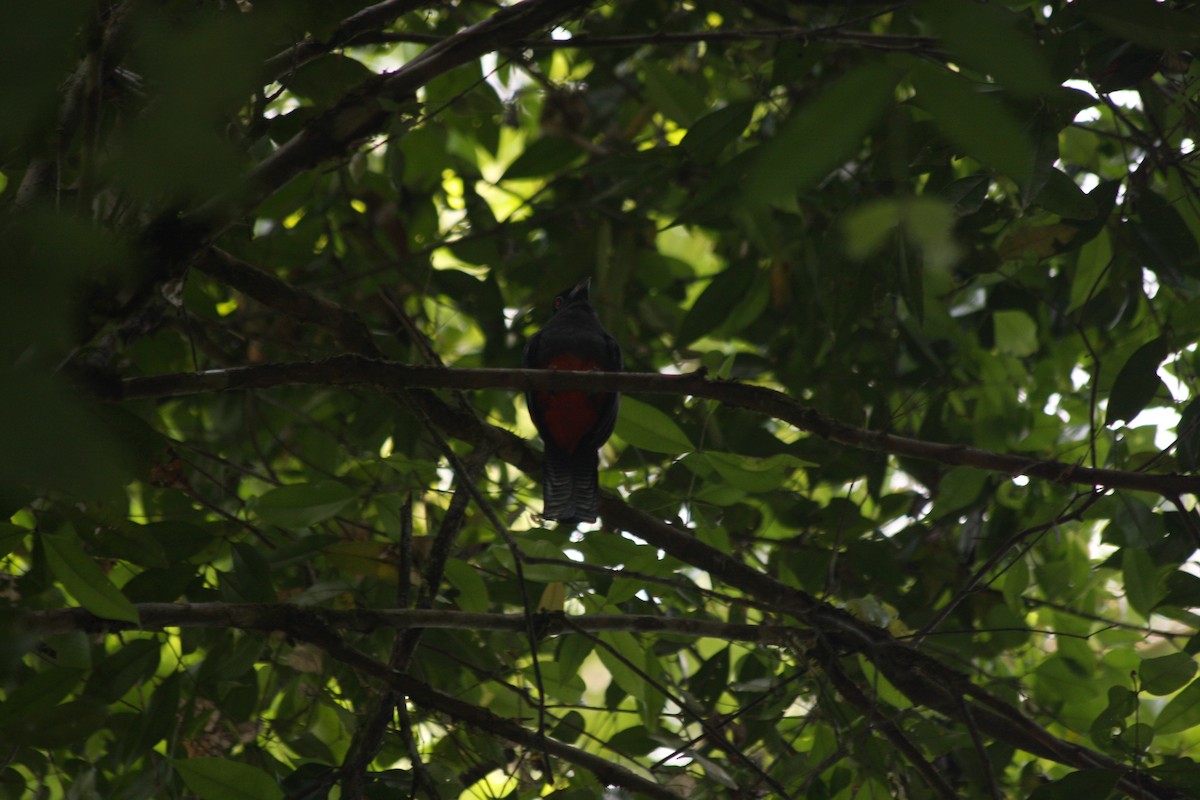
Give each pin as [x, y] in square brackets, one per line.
[901, 501]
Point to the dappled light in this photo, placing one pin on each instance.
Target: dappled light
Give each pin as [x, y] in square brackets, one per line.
[899, 499]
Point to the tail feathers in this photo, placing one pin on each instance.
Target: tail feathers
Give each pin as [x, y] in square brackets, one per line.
[571, 492]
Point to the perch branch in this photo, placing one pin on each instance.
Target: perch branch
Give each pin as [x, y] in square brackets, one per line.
[358, 371]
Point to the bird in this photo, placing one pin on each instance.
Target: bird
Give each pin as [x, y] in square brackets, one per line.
[573, 425]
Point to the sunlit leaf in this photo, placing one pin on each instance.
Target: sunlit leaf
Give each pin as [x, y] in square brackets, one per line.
[623, 658]
[222, 779]
[1166, 674]
[1181, 712]
[754, 474]
[1016, 333]
[644, 426]
[83, 578]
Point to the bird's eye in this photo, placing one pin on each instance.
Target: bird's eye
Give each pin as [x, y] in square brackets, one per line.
[558, 301]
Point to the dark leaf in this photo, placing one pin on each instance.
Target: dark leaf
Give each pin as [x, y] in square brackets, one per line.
[1137, 382]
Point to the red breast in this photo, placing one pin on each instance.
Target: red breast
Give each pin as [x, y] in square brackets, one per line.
[569, 416]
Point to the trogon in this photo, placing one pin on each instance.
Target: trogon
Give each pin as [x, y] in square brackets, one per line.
[573, 425]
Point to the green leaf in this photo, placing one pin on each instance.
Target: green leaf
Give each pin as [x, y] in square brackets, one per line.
[54, 726]
[43, 690]
[928, 222]
[676, 96]
[820, 135]
[1121, 704]
[324, 80]
[1150, 24]
[1137, 382]
[635, 741]
[472, 591]
[1091, 270]
[754, 474]
[1163, 240]
[880, 687]
[712, 679]
[1182, 712]
[974, 121]
[130, 543]
[542, 573]
[545, 157]
[714, 305]
[570, 728]
[250, 579]
[116, 674]
[708, 137]
[160, 717]
[623, 589]
[573, 651]
[83, 579]
[1142, 586]
[1166, 674]
[11, 537]
[1087, 783]
[625, 653]
[651, 701]
[223, 779]
[565, 686]
[644, 426]
[1061, 195]
[1016, 333]
[1016, 581]
[303, 504]
[987, 38]
[958, 488]
[1137, 738]
[1188, 450]
[1183, 590]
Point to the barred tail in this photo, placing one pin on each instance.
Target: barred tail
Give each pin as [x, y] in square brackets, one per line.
[571, 492]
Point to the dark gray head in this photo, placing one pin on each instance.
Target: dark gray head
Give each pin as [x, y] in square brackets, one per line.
[575, 294]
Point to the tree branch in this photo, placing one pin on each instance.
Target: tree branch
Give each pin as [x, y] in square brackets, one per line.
[357, 371]
[923, 679]
[877, 41]
[369, 20]
[290, 618]
[425, 695]
[170, 242]
[853, 695]
[367, 109]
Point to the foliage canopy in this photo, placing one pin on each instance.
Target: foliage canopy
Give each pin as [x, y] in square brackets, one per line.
[923, 528]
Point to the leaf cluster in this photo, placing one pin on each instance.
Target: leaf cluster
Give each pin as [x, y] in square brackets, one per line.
[966, 224]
